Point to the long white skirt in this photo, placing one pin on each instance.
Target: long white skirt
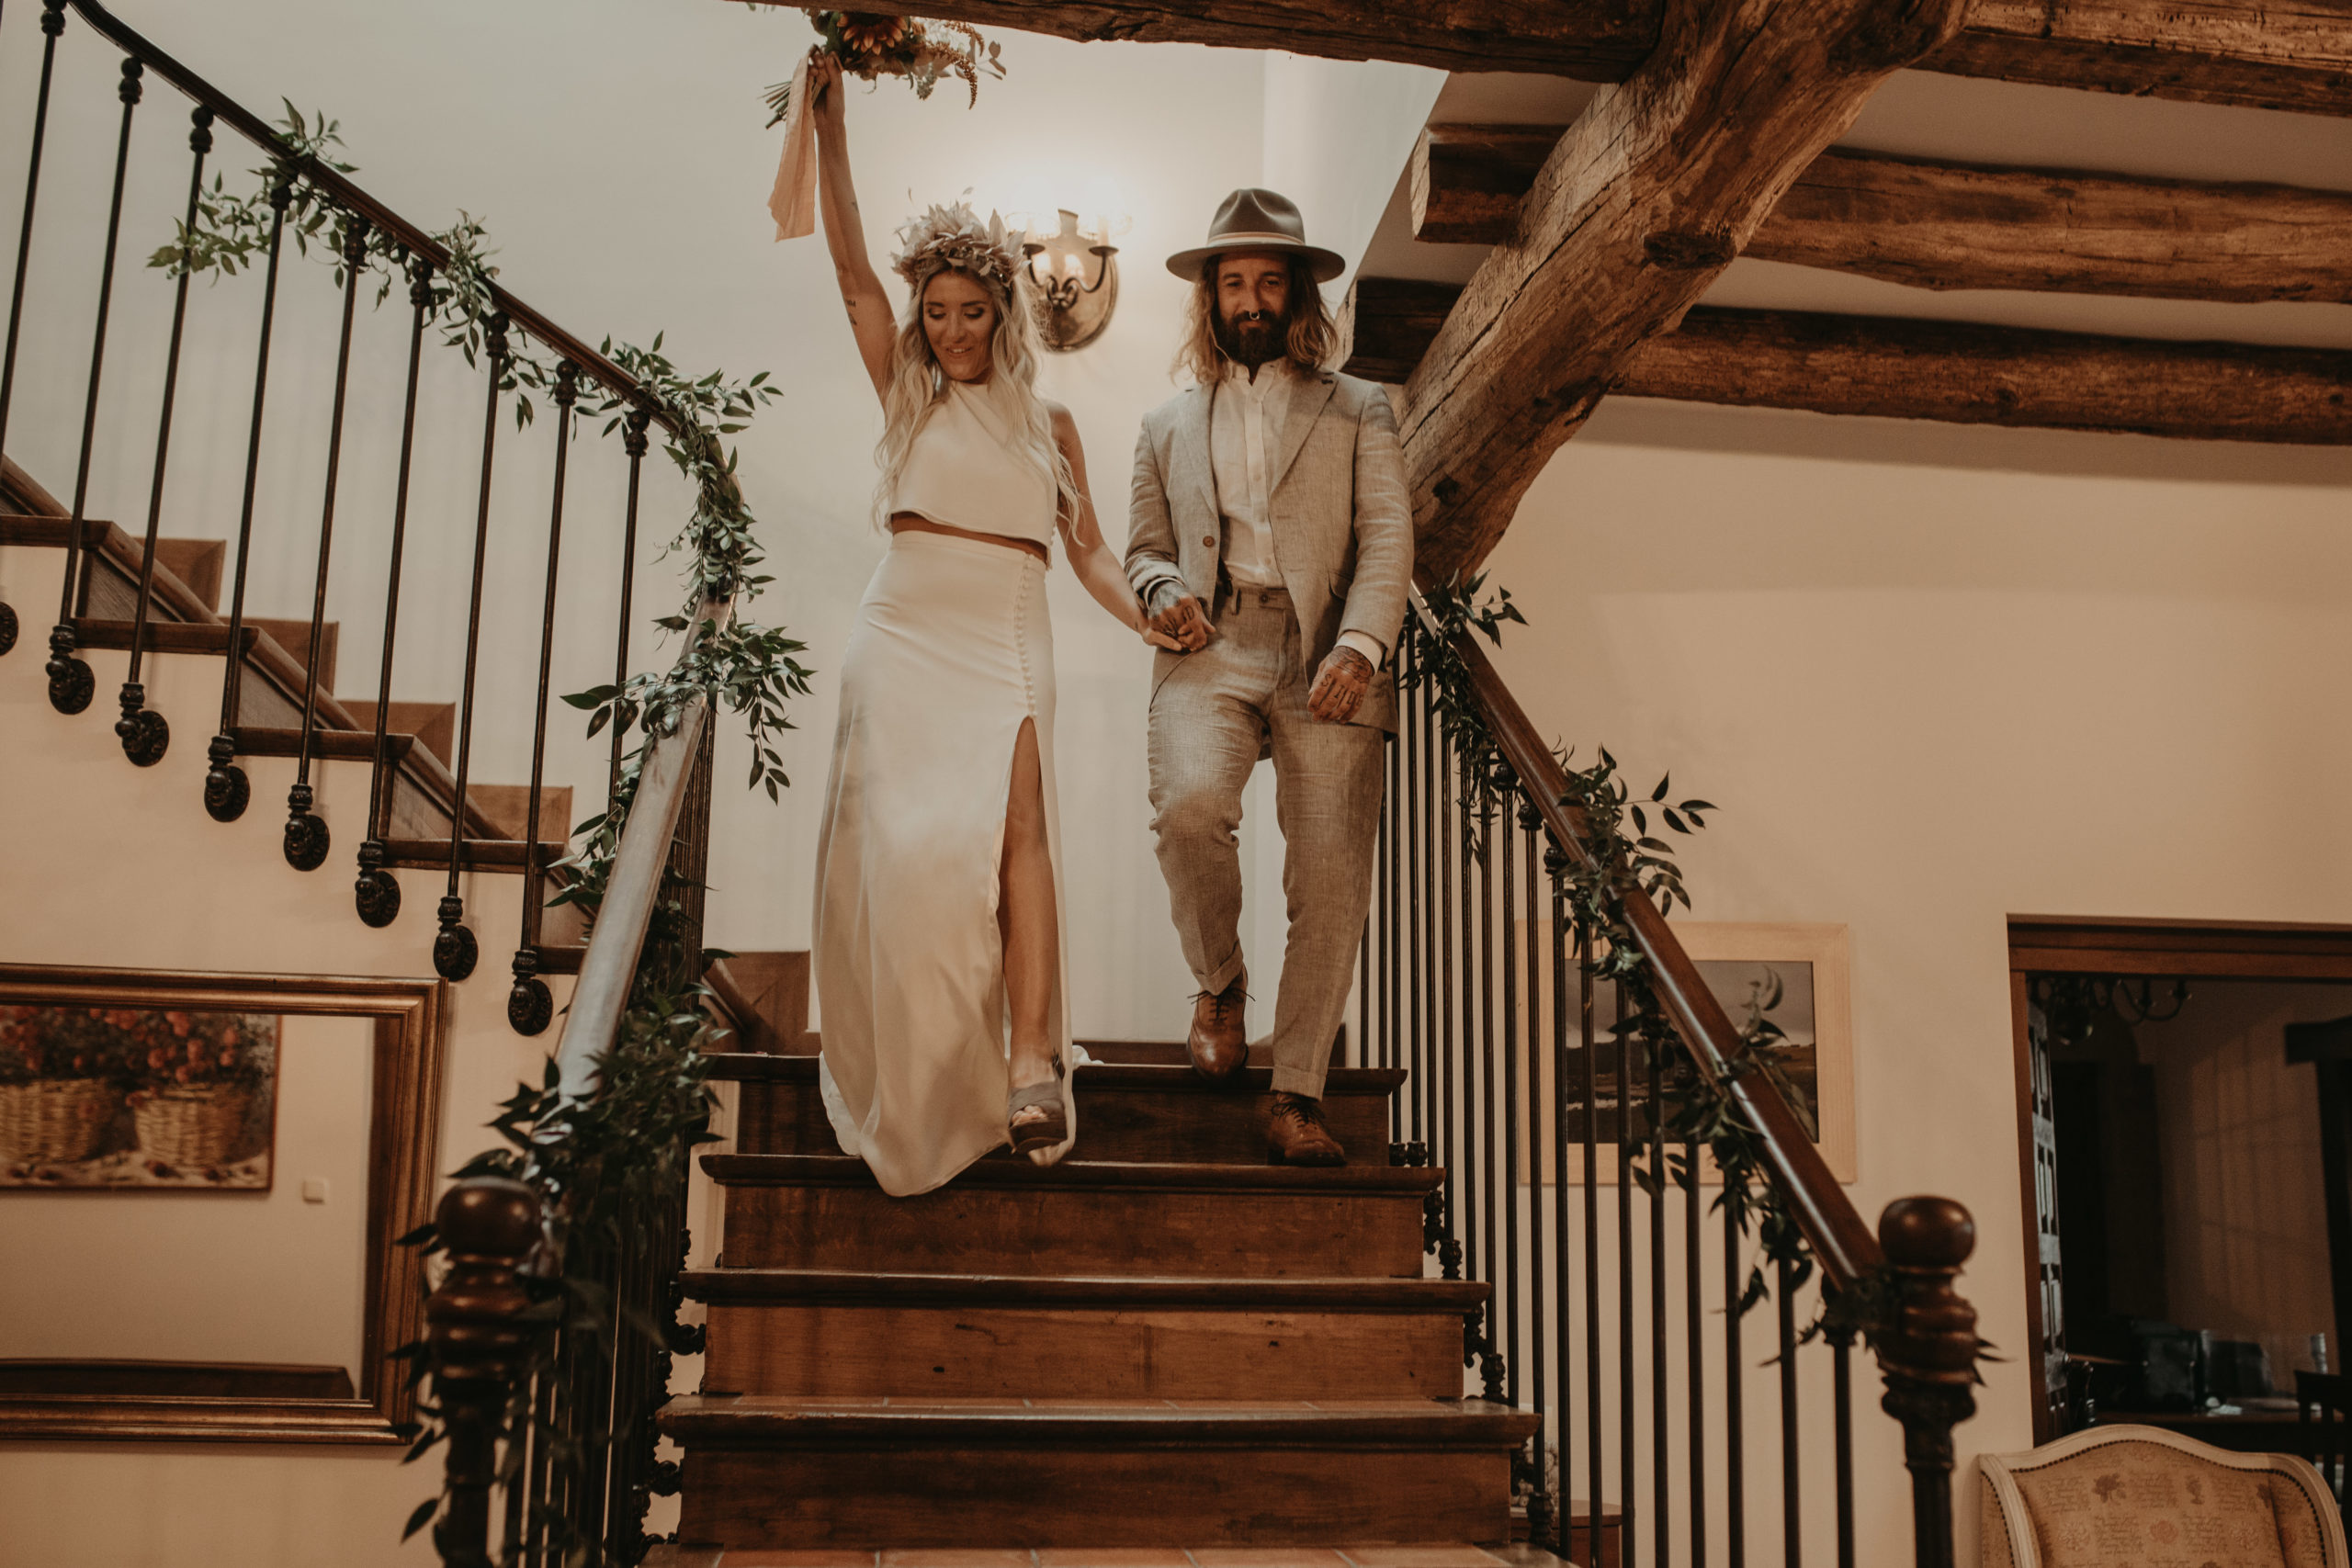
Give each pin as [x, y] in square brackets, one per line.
[951, 652]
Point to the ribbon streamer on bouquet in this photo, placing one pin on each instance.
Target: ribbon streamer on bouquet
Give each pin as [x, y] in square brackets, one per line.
[792, 203]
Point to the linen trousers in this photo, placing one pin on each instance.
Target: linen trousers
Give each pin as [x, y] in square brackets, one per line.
[1213, 715]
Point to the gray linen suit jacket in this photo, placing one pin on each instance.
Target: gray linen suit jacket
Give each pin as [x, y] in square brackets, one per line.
[1343, 531]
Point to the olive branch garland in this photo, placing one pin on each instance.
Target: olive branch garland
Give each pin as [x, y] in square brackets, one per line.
[1628, 861]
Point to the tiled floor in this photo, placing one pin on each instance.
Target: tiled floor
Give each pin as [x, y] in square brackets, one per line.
[1116, 1557]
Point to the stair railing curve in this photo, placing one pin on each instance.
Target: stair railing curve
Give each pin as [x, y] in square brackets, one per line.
[1444, 860]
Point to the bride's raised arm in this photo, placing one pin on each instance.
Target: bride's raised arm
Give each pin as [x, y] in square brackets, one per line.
[871, 319]
[1097, 564]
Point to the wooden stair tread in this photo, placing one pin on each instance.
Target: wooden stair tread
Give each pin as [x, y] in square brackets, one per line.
[839, 1287]
[162, 637]
[841, 1170]
[1348, 1554]
[482, 854]
[771, 1420]
[1176, 1077]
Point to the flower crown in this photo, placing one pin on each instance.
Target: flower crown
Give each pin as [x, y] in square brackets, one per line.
[954, 236]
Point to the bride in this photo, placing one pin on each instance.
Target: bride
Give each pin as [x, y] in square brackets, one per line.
[939, 863]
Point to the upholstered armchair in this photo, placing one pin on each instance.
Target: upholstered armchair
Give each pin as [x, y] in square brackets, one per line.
[2138, 1497]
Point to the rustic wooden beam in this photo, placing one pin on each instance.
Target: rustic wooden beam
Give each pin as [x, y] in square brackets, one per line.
[1938, 225]
[2294, 55]
[1966, 373]
[1592, 41]
[1649, 196]
[1898, 367]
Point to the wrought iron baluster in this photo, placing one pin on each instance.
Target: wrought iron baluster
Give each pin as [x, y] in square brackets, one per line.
[1541, 1505]
[455, 951]
[1661, 1435]
[1734, 1391]
[226, 789]
[377, 891]
[1841, 1359]
[1417, 817]
[1591, 1138]
[1496, 1271]
[52, 23]
[306, 833]
[1629, 1520]
[530, 1006]
[1694, 1318]
[71, 684]
[633, 442]
[1791, 1493]
[146, 734]
[1561, 933]
[1507, 824]
[1444, 1147]
[1391, 929]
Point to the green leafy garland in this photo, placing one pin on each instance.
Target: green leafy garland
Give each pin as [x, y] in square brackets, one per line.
[1627, 862]
[604, 1164]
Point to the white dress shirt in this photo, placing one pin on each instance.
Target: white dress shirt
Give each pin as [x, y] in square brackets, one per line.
[1245, 439]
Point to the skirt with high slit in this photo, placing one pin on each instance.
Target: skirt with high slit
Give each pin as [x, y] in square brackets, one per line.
[952, 651]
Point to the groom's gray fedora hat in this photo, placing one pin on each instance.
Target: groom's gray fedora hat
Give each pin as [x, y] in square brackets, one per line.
[1254, 220]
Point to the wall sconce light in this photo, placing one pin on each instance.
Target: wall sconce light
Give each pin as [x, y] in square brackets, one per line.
[1072, 310]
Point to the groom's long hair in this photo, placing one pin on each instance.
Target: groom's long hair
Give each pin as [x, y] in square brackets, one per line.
[1308, 346]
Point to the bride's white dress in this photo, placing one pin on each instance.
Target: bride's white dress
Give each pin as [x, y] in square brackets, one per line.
[951, 652]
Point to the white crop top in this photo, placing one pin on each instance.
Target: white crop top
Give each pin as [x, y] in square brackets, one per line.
[971, 468]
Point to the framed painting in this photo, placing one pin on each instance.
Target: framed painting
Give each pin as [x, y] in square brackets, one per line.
[127, 1098]
[1787, 990]
[203, 1177]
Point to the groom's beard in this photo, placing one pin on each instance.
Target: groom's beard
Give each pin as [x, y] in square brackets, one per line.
[1253, 338]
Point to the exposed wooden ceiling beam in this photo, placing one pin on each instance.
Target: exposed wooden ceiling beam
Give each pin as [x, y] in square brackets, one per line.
[2291, 54]
[1898, 367]
[1936, 225]
[2295, 55]
[1650, 195]
[1592, 41]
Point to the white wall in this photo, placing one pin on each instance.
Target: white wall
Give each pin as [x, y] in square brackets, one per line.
[1935, 676]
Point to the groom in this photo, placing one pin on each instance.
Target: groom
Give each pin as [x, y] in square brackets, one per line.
[1271, 537]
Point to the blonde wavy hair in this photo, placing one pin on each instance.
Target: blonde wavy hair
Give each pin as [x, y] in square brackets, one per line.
[1313, 333]
[947, 239]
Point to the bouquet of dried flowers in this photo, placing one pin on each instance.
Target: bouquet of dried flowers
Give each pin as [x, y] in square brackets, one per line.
[871, 44]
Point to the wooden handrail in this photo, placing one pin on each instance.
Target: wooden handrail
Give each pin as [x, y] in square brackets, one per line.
[1843, 1244]
[608, 969]
[345, 194]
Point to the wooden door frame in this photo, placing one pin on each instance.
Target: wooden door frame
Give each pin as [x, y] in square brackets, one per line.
[2191, 950]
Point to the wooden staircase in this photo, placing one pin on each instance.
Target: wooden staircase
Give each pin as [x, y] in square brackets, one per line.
[1164, 1342]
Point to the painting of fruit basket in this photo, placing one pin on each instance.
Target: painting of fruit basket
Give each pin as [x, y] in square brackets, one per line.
[136, 1097]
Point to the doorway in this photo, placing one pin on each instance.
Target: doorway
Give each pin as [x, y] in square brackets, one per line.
[2186, 1241]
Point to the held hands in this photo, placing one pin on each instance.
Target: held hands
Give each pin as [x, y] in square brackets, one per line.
[1175, 618]
[1339, 686]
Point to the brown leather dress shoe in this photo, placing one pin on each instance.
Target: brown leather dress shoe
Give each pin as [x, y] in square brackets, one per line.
[1219, 1043]
[1296, 1133]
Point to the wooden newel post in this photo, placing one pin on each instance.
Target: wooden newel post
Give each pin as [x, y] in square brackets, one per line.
[1928, 1351]
[479, 1329]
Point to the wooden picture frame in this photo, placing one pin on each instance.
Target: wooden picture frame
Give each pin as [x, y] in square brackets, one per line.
[1823, 952]
[126, 1401]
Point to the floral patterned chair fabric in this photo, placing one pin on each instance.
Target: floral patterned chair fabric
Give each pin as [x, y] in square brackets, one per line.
[2140, 1497]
